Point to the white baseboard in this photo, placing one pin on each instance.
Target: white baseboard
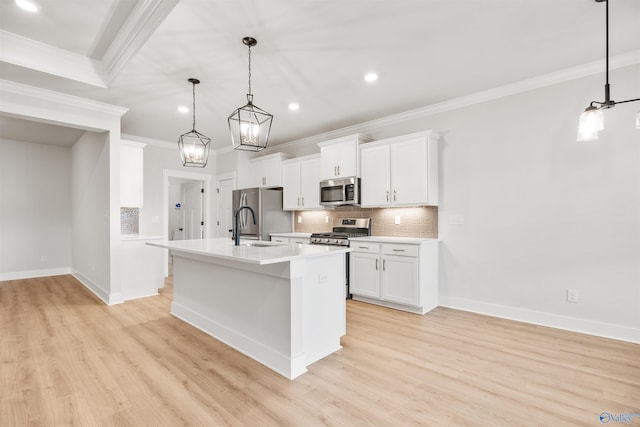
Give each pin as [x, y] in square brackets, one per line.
[574, 324]
[106, 297]
[30, 274]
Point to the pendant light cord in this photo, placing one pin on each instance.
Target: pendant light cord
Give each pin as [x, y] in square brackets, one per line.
[607, 95]
[249, 69]
[194, 106]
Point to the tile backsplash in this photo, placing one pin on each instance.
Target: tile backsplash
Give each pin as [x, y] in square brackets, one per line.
[129, 221]
[414, 222]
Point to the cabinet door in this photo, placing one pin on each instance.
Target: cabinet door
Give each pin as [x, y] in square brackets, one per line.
[376, 178]
[329, 156]
[409, 172]
[309, 184]
[400, 280]
[258, 173]
[273, 172]
[364, 274]
[291, 186]
[131, 170]
[348, 159]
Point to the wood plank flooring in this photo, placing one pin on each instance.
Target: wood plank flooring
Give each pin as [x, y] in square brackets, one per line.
[68, 359]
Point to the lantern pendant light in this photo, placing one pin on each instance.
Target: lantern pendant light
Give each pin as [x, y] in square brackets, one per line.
[194, 146]
[592, 120]
[250, 125]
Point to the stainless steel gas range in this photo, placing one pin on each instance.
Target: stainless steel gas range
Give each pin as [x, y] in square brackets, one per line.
[349, 227]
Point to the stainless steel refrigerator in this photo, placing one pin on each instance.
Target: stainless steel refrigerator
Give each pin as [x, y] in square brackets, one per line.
[270, 217]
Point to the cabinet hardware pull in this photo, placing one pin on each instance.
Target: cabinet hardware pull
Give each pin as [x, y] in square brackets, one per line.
[335, 170]
[298, 201]
[394, 195]
[398, 250]
[303, 201]
[376, 263]
[384, 265]
[338, 170]
[387, 195]
[363, 247]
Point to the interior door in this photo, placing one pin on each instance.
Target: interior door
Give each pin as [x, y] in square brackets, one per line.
[193, 210]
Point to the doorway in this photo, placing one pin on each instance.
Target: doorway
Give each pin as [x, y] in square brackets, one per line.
[186, 209]
[225, 184]
[196, 222]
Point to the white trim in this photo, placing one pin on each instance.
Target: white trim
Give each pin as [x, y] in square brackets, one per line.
[150, 141]
[104, 296]
[31, 274]
[574, 324]
[139, 26]
[46, 95]
[32, 54]
[223, 177]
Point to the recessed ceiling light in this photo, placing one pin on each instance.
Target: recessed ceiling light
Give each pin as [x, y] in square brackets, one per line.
[183, 109]
[370, 77]
[294, 106]
[28, 5]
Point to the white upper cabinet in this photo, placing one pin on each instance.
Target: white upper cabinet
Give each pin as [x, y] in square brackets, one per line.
[400, 171]
[131, 174]
[266, 171]
[300, 182]
[340, 157]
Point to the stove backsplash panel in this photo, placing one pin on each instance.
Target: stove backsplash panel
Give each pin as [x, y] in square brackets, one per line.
[414, 222]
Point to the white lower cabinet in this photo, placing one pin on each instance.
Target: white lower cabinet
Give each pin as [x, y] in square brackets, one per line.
[290, 239]
[395, 272]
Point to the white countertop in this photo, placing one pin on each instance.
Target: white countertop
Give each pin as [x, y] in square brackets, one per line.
[386, 239]
[272, 253]
[133, 237]
[303, 235]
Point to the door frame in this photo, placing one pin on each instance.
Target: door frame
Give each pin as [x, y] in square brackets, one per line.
[194, 176]
[222, 177]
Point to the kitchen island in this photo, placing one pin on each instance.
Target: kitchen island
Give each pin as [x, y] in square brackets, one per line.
[280, 304]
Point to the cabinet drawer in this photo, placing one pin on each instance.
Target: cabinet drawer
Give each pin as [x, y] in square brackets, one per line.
[401, 250]
[280, 239]
[365, 247]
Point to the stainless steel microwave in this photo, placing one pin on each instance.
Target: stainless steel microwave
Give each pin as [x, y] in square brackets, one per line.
[340, 191]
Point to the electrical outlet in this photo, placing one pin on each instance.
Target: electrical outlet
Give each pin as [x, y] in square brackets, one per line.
[573, 295]
[299, 219]
[326, 219]
[322, 278]
[397, 219]
[43, 259]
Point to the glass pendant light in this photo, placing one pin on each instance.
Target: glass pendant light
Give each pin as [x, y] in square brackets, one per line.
[250, 125]
[592, 120]
[590, 123]
[194, 146]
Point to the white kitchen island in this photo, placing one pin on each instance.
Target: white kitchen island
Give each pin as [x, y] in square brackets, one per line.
[282, 305]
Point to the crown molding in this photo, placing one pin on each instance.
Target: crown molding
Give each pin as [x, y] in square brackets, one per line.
[592, 68]
[46, 95]
[35, 55]
[149, 141]
[28, 53]
[139, 26]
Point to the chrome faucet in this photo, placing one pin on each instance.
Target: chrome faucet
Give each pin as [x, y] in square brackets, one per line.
[237, 234]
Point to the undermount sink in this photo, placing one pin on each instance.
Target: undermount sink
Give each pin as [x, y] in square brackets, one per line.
[262, 245]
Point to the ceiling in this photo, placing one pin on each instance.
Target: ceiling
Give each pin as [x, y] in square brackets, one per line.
[313, 52]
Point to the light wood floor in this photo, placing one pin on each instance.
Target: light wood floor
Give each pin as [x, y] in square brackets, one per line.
[68, 359]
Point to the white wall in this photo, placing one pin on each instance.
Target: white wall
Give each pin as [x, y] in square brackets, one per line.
[35, 209]
[91, 206]
[542, 212]
[154, 210]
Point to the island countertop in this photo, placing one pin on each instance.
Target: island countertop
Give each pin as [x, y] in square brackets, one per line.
[266, 253]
